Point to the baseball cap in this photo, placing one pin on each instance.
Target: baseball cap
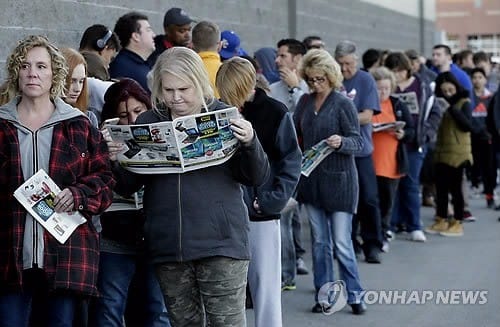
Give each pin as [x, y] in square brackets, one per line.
[230, 45]
[412, 54]
[176, 16]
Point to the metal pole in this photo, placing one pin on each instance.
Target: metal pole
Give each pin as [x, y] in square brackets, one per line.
[292, 18]
[421, 26]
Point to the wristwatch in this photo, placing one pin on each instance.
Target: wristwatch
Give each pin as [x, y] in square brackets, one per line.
[293, 90]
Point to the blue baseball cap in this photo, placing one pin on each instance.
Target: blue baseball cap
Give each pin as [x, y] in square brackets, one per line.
[230, 45]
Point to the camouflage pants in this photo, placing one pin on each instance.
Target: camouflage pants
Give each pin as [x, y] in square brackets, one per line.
[210, 290]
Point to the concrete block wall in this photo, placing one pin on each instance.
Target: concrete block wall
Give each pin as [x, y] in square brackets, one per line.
[258, 22]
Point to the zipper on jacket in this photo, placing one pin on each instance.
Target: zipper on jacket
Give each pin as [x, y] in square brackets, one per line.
[34, 136]
[34, 222]
[180, 215]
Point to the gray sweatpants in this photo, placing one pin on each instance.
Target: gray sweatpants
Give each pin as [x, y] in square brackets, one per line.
[264, 272]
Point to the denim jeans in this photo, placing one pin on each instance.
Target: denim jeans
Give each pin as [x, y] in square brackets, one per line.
[332, 232]
[297, 232]
[288, 256]
[37, 305]
[407, 201]
[210, 289]
[115, 275]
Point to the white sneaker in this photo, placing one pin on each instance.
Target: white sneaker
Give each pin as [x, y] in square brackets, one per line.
[417, 236]
[385, 247]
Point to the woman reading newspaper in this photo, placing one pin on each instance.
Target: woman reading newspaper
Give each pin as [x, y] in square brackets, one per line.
[196, 228]
[330, 193]
[123, 266]
[42, 280]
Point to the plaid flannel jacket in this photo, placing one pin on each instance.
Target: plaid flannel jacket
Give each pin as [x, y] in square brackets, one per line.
[79, 160]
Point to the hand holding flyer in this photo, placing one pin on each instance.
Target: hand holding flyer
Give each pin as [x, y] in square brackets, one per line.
[312, 158]
[393, 126]
[184, 144]
[37, 195]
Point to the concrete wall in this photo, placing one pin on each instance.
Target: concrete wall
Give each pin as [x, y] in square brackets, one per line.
[258, 22]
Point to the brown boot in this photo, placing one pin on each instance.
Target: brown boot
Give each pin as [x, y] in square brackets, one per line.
[455, 228]
[440, 225]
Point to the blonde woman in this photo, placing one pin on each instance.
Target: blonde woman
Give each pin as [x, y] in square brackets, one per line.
[42, 279]
[196, 228]
[326, 114]
[236, 80]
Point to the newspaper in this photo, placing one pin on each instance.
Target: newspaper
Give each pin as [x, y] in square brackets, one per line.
[393, 126]
[184, 144]
[37, 196]
[312, 158]
[411, 101]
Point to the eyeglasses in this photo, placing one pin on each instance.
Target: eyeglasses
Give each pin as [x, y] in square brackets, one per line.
[314, 80]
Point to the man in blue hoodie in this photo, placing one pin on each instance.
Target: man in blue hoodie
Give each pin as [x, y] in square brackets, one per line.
[441, 59]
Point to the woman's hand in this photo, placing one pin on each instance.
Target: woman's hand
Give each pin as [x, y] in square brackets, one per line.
[242, 130]
[334, 141]
[400, 133]
[64, 201]
[113, 147]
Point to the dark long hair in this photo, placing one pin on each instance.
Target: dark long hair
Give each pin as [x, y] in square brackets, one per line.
[448, 77]
[121, 91]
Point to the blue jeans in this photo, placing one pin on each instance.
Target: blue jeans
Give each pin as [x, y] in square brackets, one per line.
[288, 256]
[407, 201]
[56, 310]
[115, 275]
[332, 232]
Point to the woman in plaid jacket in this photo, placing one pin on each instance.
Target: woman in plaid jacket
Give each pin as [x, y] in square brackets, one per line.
[40, 278]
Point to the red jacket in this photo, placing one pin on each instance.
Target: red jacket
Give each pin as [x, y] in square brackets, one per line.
[78, 160]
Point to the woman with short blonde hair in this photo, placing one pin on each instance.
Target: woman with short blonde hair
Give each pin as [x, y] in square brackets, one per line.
[320, 61]
[196, 222]
[325, 115]
[237, 78]
[274, 127]
[186, 65]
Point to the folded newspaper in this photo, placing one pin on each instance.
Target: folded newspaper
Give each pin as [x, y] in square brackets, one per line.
[37, 196]
[312, 158]
[184, 144]
[393, 126]
[410, 100]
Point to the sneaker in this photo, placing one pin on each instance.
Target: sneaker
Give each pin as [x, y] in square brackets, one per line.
[440, 225]
[358, 308]
[389, 235]
[385, 247]
[372, 254]
[468, 217]
[455, 229]
[318, 308]
[301, 267]
[288, 286]
[417, 236]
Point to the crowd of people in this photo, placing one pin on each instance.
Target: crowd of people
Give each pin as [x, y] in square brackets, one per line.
[200, 247]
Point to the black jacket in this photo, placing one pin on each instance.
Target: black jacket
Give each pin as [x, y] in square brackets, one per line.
[200, 213]
[275, 130]
[403, 114]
